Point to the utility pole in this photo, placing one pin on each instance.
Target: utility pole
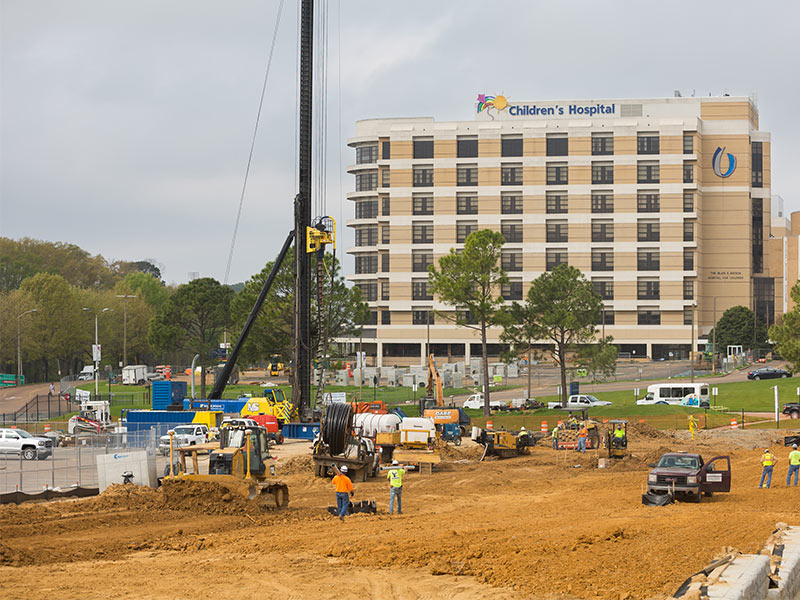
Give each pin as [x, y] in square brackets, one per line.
[96, 350]
[19, 344]
[125, 327]
[301, 392]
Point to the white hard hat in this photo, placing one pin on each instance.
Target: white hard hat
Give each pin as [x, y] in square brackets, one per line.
[344, 469]
[395, 462]
[522, 428]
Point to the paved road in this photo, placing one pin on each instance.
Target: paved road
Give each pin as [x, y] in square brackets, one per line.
[550, 376]
[12, 399]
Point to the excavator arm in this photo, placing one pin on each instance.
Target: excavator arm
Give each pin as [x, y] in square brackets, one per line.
[434, 388]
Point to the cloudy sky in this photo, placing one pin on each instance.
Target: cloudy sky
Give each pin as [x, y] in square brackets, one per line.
[125, 126]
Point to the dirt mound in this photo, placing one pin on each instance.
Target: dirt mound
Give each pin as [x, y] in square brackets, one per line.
[296, 464]
[14, 558]
[652, 456]
[128, 496]
[453, 453]
[647, 431]
[206, 497]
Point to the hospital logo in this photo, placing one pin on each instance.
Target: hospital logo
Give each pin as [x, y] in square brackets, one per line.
[716, 163]
[485, 103]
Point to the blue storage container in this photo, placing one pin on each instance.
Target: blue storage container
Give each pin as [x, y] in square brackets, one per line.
[300, 431]
[167, 392]
[161, 420]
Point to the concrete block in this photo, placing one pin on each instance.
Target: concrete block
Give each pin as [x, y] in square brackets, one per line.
[142, 463]
[513, 371]
[746, 578]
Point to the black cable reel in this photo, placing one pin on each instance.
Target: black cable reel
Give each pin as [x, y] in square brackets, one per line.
[336, 426]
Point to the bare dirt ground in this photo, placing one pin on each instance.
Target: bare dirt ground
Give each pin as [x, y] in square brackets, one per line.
[542, 526]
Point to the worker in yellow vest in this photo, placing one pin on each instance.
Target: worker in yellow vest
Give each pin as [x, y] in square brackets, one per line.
[395, 478]
[794, 465]
[692, 425]
[768, 461]
[555, 437]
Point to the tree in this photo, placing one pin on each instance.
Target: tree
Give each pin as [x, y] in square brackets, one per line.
[193, 320]
[468, 281]
[598, 359]
[60, 330]
[273, 331]
[562, 307]
[786, 335]
[144, 285]
[735, 328]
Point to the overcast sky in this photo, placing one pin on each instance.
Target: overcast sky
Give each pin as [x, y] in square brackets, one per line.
[125, 126]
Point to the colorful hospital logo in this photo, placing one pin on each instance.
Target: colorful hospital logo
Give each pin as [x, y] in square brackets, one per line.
[487, 102]
[716, 163]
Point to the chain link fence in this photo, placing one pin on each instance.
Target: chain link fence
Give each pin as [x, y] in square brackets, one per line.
[73, 463]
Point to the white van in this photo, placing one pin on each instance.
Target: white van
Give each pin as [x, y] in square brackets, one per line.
[678, 394]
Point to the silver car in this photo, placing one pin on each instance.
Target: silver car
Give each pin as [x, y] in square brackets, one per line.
[19, 441]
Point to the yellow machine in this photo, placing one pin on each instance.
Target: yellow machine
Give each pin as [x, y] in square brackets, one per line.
[238, 462]
[617, 447]
[274, 402]
[434, 388]
[503, 444]
[275, 366]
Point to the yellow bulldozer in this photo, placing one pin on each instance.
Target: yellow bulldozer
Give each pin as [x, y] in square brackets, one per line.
[238, 462]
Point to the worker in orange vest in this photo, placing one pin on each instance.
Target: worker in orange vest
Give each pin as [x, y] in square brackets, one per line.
[582, 435]
[343, 486]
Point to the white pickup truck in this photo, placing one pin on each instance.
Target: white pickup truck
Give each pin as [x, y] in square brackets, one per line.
[579, 401]
[475, 402]
[185, 435]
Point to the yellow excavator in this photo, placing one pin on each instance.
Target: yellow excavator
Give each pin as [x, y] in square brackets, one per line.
[238, 462]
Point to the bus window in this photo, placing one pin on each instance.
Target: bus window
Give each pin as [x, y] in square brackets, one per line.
[704, 391]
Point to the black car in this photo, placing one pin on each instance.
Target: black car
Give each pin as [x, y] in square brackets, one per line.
[768, 373]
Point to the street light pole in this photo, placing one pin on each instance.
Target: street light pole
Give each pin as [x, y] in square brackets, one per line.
[95, 354]
[691, 347]
[125, 327]
[19, 344]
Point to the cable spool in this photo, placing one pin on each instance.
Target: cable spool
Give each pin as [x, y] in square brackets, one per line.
[336, 426]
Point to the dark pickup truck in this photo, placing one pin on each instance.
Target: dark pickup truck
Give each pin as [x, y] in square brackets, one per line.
[792, 410]
[688, 475]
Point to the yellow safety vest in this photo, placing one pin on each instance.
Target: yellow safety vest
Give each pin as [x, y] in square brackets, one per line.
[767, 459]
[396, 477]
[555, 432]
[618, 433]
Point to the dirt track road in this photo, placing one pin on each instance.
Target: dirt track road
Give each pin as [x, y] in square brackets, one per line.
[541, 526]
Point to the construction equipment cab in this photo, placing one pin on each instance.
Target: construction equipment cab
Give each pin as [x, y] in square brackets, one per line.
[617, 438]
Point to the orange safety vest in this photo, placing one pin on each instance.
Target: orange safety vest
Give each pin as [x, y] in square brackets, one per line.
[583, 433]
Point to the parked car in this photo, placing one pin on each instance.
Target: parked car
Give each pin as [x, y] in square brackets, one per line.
[792, 410]
[579, 401]
[475, 402]
[688, 475]
[19, 441]
[767, 373]
[184, 435]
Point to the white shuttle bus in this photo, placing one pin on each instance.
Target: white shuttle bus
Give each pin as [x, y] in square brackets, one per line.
[677, 393]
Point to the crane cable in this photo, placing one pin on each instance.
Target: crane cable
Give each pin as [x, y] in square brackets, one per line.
[253, 141]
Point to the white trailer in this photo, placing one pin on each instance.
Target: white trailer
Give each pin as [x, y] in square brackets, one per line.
[134, 375]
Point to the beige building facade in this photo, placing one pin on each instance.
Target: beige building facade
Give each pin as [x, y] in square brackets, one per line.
[664, 204]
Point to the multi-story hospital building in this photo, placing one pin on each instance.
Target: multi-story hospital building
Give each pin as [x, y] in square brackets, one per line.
[664, 204]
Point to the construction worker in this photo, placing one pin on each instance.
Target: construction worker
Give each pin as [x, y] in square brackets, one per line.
[794, 465]
[343, 486]
[395, 477]
[768, 461]
[555, 437]
[692, 425]
[619, 437]
[522, 438]
[583, 433]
